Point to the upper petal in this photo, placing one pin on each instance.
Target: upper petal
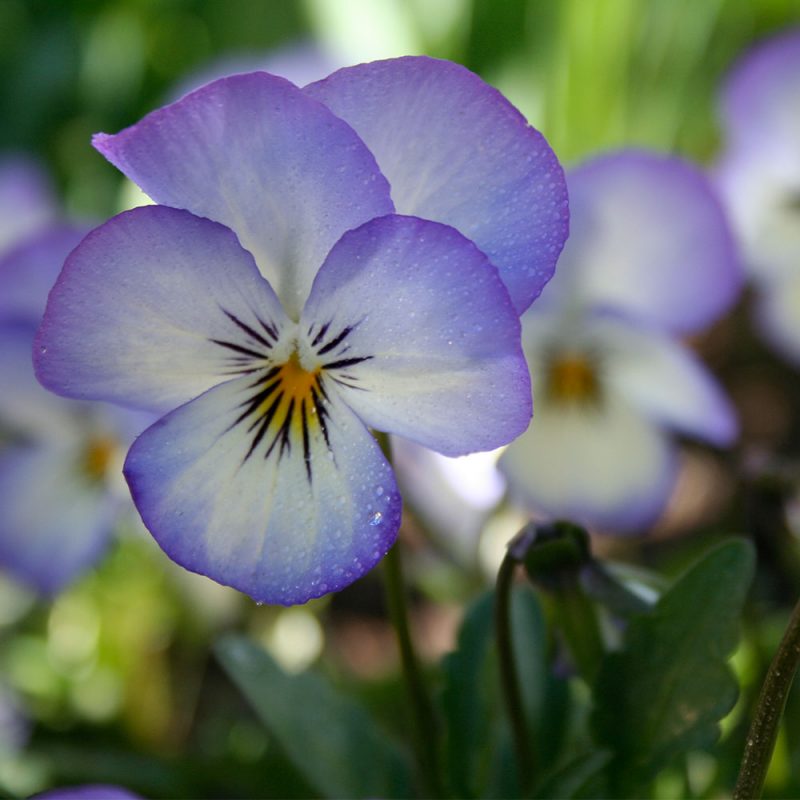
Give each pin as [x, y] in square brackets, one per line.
[761, 97]
[29, 270]
[648, 237]
[284, 503]
[154, 307]
[456, 151]
[256, 154]
[417, 330]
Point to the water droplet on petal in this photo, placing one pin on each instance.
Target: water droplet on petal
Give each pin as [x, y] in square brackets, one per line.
[376, 518]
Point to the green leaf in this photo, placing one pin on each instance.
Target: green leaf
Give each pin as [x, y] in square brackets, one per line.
[477, 749]
[329, 738]
[664, 693]
[582, 777]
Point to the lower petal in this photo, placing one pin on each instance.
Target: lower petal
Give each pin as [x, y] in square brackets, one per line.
[284, 505]
[602, 466]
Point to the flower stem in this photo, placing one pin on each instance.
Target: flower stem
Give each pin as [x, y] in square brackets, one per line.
[424, 721]
[509, 680]
[769, 710]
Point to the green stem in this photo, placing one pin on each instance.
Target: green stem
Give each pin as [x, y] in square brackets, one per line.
[578, 620]
[424, 721]
[509, 680]
[769, 710]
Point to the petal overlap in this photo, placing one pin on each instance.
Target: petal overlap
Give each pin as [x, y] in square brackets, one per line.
[257, 155]
[305, 511]
[153, 308]
[456, 151]
[432, 350]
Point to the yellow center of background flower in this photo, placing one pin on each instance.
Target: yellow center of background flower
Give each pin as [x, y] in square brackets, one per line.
[572, 378]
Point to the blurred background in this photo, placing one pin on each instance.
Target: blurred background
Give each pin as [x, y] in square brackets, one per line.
[113, 680]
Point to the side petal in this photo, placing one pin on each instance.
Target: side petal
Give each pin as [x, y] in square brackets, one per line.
[420, 336]
[778, 315]
[29, 270]
[27, 202]
[456, 151]
[152, 309]
[47, 508]
[664, 380]
[26, 409]
[602, 466]
[648, 238]
[256, 154]
[284, 511]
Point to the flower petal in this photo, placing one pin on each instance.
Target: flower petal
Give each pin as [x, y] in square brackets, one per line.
[760, 190]
[47, 506]
[25, 408]
[285, 510]
[761, 98]
[778, 315]
[26, 200]
[256, 154]
[152, 309]
[430, 343]
[603, 466]
[664, 380]
[648, 237]
[29, 270]
[456, 151]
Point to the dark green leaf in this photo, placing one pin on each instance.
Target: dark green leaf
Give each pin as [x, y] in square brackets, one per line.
[478, 755]
[329, 738]
[583, 777]
[664, 693]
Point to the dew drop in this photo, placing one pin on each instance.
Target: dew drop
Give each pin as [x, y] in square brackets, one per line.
[376, 518]
[379, 491]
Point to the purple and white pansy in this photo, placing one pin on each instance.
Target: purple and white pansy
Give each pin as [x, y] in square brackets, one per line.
[60, 493]
[759, 178]
[649, 256]
[320, 262]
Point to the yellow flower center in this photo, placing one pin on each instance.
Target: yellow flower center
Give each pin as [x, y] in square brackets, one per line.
[97, 457]
[572, 379]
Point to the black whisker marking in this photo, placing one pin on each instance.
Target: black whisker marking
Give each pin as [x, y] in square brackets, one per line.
[349, 385]
[345, 362]
[345, 332]
[269, 328]
[322, 331]
[257, 438]
[306, 441]
[237, 348]
[247, 329]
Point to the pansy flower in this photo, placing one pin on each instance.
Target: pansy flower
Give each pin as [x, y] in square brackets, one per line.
[649, 257]
[61, 488]
[759, 178]
[273, 307]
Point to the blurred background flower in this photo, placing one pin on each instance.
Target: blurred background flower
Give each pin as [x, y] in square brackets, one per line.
[759, 178]
[115, 673]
